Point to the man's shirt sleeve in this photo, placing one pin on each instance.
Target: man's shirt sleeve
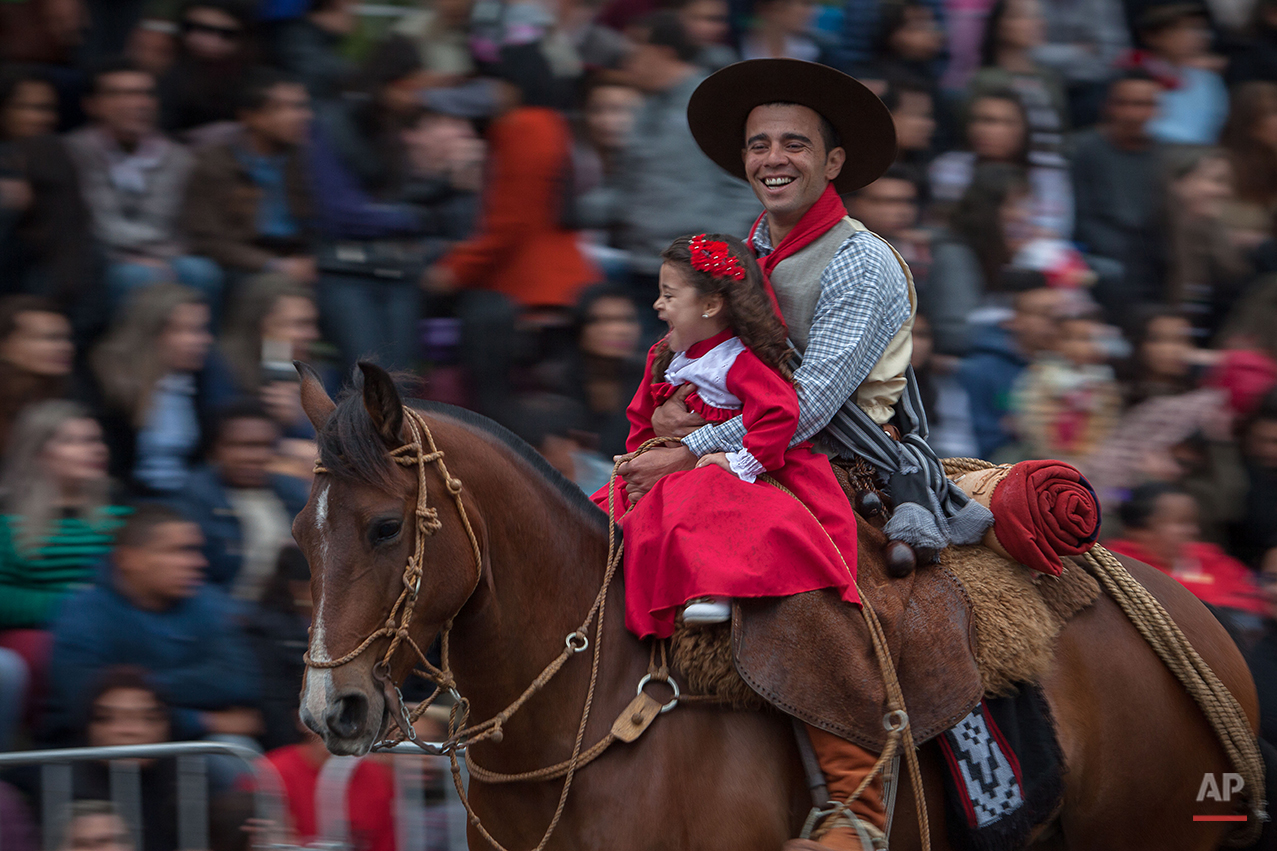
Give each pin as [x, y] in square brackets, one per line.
[864, 301]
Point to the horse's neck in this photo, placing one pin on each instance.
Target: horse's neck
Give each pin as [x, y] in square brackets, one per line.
[547, 567]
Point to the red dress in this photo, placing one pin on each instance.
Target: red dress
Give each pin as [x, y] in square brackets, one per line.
[707, 532]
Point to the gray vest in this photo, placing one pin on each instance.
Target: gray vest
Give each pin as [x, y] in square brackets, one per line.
[796, 280]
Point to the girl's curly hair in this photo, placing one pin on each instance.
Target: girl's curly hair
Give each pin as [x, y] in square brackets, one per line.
[749, 308]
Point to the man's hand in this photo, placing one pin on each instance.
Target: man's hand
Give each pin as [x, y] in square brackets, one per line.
[673, 419]
[641, 473]
[237, 721]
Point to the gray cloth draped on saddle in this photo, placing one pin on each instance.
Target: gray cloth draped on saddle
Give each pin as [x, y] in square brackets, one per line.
[930, 511]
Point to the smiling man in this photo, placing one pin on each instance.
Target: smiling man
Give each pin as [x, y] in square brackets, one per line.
[801, 134]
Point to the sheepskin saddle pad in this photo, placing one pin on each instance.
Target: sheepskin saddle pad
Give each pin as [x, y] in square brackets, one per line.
[971, 626]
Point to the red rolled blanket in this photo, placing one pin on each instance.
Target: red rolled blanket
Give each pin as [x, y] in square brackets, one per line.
[1042, 510]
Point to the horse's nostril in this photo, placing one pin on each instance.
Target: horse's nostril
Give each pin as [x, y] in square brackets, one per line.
[346, 717]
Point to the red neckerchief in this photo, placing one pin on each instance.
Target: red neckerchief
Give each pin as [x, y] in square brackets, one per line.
[819, 218]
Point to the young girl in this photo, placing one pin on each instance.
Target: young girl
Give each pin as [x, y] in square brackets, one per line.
[706, 535]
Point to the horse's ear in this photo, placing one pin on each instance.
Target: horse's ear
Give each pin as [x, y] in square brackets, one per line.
[382, 402]
[316, 402]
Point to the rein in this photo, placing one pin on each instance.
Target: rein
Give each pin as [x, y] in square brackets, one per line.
[895, 721]
[420, 452]
[414, 454]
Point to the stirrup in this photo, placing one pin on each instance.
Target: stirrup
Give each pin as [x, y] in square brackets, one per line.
[839, 817]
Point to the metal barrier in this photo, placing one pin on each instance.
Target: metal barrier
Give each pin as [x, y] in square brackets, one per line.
[412, 825]
[414, 830]
[126, 787]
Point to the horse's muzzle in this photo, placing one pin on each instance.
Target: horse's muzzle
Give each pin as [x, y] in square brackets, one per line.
[347, 715]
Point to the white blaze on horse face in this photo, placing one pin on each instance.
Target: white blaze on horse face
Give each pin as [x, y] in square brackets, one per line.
[319, 681]
[321, 520]
[318, 647]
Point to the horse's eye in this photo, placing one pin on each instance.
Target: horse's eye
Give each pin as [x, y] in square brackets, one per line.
[386, 530]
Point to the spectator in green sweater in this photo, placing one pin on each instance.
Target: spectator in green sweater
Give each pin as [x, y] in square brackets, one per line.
[56, 523]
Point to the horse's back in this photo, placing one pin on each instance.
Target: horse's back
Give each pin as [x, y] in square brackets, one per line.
[1136, 744]
[1204, 631]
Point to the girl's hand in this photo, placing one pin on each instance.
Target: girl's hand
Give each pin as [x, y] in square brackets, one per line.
[719, 458]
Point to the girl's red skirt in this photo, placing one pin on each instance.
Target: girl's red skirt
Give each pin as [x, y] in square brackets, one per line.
[704, 532]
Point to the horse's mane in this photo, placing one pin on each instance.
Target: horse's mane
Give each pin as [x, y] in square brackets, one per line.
[350, 447]
[520, 447]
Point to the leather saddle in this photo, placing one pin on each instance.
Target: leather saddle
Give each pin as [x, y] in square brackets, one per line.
[811, 655]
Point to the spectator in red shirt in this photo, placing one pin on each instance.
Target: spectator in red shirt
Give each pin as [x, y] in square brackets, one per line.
[523, 249]
[1161, 529]
[369, 800]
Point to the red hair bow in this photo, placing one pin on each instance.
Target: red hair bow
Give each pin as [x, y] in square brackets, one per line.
[715, 259]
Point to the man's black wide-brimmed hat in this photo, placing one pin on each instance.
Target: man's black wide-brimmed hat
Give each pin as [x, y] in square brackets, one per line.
[721, 103]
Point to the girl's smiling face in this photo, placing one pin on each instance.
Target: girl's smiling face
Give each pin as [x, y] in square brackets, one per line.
[692, 316]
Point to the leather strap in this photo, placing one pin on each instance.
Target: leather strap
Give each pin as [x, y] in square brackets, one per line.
[636, 717]
[811, 765]
[890, 786]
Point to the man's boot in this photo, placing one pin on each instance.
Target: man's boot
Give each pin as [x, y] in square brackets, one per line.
[845, 766]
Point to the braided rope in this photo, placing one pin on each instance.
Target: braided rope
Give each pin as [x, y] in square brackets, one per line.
[958, 466]
[614, 552]
[1222, 710]
[414, 454]
[899, 731]
[578, 759]
[1163, 635]
[421, 451]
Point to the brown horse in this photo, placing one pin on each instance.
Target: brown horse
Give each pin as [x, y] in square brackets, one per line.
[702, 777]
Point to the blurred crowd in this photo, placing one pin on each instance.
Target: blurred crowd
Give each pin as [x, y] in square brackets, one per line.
[194, 194]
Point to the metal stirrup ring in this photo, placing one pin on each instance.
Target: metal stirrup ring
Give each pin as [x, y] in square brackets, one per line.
[669, 681]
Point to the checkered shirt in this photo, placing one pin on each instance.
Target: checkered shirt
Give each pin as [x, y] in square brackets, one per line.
[864, 301]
